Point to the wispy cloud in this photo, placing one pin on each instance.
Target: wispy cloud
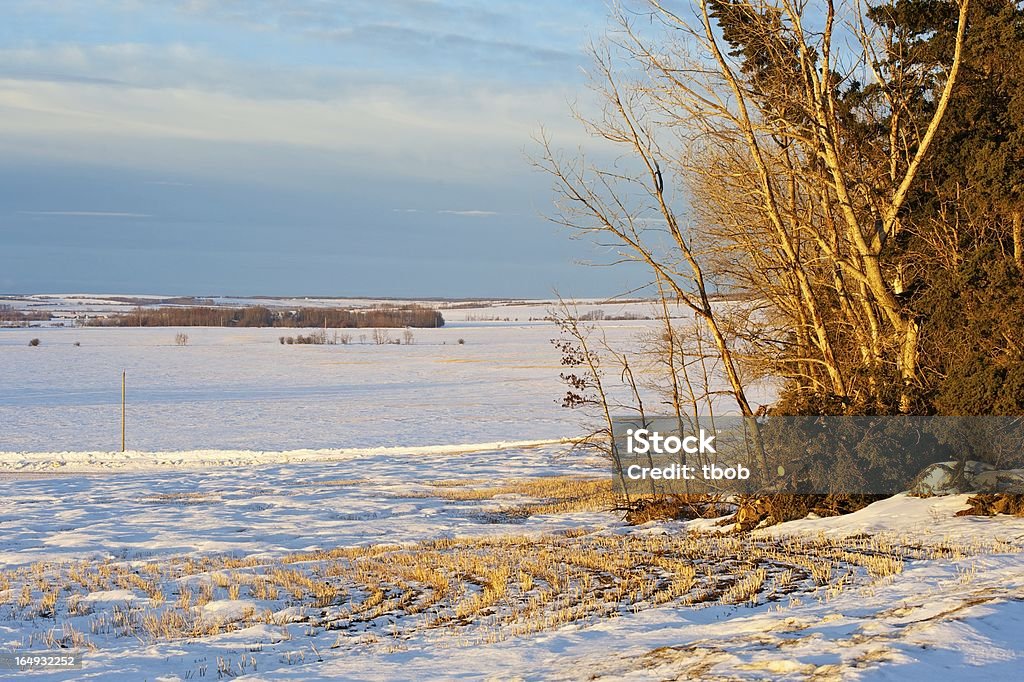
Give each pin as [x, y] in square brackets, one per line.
[422, 34]
[472, 213]
[308, 114]
[469, 214]
[479, 133]
[88, 214]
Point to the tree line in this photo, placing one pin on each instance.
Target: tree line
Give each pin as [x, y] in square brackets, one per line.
[262, 316]
[9, 313]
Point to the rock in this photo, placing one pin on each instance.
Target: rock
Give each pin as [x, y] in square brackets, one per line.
[948, 478]
[1004, 481]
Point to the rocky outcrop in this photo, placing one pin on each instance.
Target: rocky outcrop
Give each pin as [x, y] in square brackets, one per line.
[1005, 481]
[953, 478]
[948, 478]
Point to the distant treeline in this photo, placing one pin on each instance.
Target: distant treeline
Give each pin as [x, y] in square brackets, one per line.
[260, 316]
[9, 313]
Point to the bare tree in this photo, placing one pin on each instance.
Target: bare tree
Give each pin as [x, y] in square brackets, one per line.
[736, 116]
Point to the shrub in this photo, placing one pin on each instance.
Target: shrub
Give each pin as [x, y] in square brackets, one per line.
[317, 338]
[181, 339]
[462, 342]
[34, 342]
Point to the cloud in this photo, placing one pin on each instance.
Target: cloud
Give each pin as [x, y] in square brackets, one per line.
[428, 89]
[444, 46]
[88, 214]
[421, 33]
[451, 132]
[450, 211]
[470, 214]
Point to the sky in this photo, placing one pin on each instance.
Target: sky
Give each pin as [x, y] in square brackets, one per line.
[291, 147]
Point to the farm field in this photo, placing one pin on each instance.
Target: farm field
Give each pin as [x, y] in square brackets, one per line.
[383, 512]
[439, 340]
[501, 384]
[476, 564]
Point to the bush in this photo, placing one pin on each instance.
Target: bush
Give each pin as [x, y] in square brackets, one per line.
[462, 342]
[677, 507]
[317, 338]
[34, 342]
[181, 339]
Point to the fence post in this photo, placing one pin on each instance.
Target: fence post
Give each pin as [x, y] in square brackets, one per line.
[124, 375]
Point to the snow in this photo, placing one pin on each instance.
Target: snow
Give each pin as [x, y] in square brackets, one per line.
[287, 506]
[930, 519]
[226, 610]
[90, 462]
[241, 447]
[501, 385]
[940, 615]
[110, 596]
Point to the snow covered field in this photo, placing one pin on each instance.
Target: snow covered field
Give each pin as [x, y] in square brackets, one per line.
[394, 566]
[241, 389]
[500, 384]
[407, 512]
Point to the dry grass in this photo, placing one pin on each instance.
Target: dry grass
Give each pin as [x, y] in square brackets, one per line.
[551, 495]
[482, 589]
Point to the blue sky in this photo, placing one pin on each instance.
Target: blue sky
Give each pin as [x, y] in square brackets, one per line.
[293, 147]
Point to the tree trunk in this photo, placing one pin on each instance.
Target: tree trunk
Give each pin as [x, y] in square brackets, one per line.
[1018, 239]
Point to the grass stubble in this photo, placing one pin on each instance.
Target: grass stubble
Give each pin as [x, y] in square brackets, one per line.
[450, 591]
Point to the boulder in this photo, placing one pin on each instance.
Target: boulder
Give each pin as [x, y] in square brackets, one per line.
[1004, 481]
[948, 478]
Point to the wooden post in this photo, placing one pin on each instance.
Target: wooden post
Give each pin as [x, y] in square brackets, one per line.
[124, 375]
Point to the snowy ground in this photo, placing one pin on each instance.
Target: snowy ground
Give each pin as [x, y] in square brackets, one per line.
[953, 604]
[501, 384]
[388, 513]
[356, 499]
